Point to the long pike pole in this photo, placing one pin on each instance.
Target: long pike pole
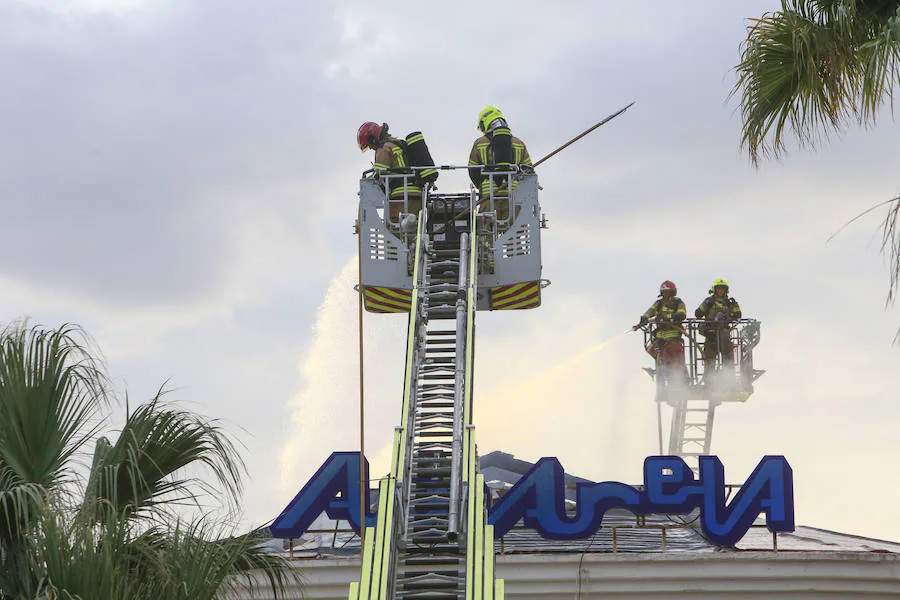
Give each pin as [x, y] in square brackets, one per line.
[587, 131]
[560, 149]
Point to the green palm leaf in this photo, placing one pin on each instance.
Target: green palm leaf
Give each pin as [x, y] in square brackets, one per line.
[141, 470]
[814, 66]
[79, 560]
[50, 393]
[204, 564]
[122, 540]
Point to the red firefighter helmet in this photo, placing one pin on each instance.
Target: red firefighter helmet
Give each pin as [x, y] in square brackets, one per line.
[667, 287]
[368, 134]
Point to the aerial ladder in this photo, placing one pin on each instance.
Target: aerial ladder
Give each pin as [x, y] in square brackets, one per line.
[695, 390]
[460, 254]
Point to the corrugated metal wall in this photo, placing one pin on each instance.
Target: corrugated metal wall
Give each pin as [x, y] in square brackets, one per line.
[706, 575]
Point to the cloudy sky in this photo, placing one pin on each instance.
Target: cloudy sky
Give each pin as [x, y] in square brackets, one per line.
[180, 179]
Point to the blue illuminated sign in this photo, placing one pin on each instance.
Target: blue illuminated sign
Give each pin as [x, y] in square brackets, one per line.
[669, 488]
[334, 490]
[538, 498]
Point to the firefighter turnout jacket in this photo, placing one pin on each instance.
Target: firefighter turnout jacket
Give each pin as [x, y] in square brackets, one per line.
[483, 154]
[717, 308]
[390, 155]
[669, 313]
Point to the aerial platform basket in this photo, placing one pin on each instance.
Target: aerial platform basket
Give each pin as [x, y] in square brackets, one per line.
[507, 230]
[719, 379]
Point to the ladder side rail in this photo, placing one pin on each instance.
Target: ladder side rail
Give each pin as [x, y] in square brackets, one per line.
[402, 454]
[471, 293]
[710, 415]
[413, 350]
[470, 468]
[478, 546]
[471, 513]
[676, 432]
[489, 578]
[459, 395]
[395, 526]
[383, 535]
[416, 352]
[368, 551]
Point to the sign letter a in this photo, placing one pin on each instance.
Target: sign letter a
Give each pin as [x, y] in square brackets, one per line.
[334, 489]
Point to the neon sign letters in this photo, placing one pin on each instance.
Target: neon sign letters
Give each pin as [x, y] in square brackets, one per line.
[334, 490]
[538, 498]
[669, 488]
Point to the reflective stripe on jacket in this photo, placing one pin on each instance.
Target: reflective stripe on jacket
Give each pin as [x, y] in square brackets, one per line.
[713, 305]
[482, 154]
[389, 155]
[664, 310]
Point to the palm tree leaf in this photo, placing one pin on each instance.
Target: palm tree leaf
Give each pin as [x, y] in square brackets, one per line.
[141, 470]
[117, 542]
[80, 560]
[207, 565]
[21, 504]
[50, 392]
[879, 55]
[890, 246]
[21, 507]
[812, 67]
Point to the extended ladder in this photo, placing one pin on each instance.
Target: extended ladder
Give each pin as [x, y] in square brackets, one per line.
[695, 396]
[692, 426]
[431, 540]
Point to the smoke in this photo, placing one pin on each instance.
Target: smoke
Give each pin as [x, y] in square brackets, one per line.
[325, 411]
[535, 393]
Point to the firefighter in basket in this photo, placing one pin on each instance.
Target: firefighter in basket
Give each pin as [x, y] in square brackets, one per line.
[497, 147]
[392, 157]
[667, 344]
[718, 311]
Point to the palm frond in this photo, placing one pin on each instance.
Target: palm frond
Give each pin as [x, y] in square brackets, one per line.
[812, 67]
[21, 505]
[207, 565]
[79, 560]
[51, 394]
[890, 247]
[859, 216]
[879, 56]
[51, 389]
[157, 444]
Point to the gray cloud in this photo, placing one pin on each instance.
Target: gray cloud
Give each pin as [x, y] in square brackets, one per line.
[137, 149]
[181, 179]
